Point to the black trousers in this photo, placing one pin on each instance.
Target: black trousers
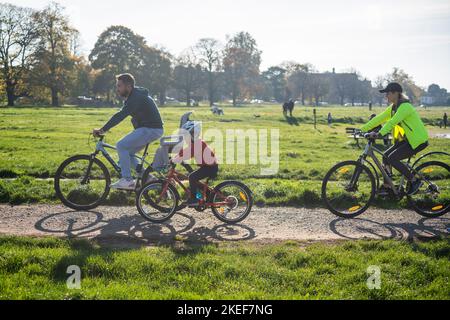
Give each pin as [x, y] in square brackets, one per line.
[401, 151]
[199, 174]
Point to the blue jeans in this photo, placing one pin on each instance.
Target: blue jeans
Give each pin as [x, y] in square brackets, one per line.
[132, 143]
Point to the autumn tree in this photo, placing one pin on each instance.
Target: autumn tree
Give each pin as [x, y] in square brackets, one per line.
[55, 62]
[241, 63]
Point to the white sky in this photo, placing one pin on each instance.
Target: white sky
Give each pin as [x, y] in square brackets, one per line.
[371, 36]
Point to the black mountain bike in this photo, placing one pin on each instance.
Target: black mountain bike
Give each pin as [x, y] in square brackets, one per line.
[349, 187]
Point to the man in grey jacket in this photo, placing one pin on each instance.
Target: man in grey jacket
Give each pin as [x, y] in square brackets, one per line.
[147, 123]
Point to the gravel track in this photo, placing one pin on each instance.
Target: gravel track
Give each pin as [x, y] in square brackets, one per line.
[124, 226]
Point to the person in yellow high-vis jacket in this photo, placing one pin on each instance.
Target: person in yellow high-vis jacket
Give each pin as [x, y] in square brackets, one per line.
[409, 132]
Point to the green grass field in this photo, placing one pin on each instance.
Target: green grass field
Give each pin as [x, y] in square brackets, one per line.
[35, 140]
[37, 269]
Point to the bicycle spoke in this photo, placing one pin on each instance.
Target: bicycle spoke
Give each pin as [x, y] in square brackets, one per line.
[348, 189]
[155, 203]
[82, 183]
[433, 197]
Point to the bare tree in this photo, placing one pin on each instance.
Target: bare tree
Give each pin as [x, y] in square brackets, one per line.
[187, 74]
[299, 78]
[208, 51]
[380, 83]
[319, 87]
[412, 90]
[18, 39]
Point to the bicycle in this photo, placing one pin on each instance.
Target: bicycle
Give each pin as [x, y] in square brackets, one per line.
[82, 182]
[159, 200]
[349, 187]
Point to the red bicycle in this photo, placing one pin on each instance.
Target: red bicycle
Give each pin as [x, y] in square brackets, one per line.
[157, 201]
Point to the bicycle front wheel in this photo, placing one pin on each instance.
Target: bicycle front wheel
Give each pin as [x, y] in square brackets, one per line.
[348, 189]
[157, 201]
[82, 182]
[433, 198]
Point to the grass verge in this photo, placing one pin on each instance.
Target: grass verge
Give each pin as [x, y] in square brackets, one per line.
[36, 269]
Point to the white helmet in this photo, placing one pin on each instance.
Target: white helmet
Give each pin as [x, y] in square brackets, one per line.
[193, 127]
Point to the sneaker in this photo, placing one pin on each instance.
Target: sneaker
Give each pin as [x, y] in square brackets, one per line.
[191, 203]
[124, 184]
[414, 186]
[384, 191]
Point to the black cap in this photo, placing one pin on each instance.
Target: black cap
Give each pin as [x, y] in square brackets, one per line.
[392, 87]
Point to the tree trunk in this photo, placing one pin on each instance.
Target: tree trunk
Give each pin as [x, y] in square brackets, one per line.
[55, 100]
[188, 99]
[210, 90]
[10, 94]
[162, 98]
[234, 96]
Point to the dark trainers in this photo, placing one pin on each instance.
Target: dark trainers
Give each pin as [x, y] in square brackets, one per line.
[191, 203]
[384, 191]
[414, 186]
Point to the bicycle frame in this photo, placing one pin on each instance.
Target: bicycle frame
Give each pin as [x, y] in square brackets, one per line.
[175, 177]
[370, 151]
[101, 147]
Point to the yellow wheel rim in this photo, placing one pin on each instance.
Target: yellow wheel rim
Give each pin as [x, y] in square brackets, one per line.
[355, 208]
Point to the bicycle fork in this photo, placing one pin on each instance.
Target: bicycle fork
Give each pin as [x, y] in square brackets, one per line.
[88, 170]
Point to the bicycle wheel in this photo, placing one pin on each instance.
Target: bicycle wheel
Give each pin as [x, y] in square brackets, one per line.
[433, 198]
[234, 201]
[82, 182]
[348, 189]
[188, 168]
[157, 201]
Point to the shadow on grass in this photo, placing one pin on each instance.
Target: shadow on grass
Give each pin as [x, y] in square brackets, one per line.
[291, 120]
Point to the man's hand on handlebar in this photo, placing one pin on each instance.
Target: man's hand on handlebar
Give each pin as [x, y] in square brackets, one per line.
[98, 132]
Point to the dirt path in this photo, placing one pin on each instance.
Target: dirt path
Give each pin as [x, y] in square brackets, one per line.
[124, 225]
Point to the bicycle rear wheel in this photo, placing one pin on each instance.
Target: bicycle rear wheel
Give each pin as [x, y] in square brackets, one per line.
[433, 198]
[234, 201]
[348, 189]
[82, 182]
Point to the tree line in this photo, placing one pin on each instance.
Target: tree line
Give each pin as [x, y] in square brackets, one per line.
[40, 63]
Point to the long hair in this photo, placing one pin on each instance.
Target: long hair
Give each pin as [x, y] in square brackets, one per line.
[402, 96]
